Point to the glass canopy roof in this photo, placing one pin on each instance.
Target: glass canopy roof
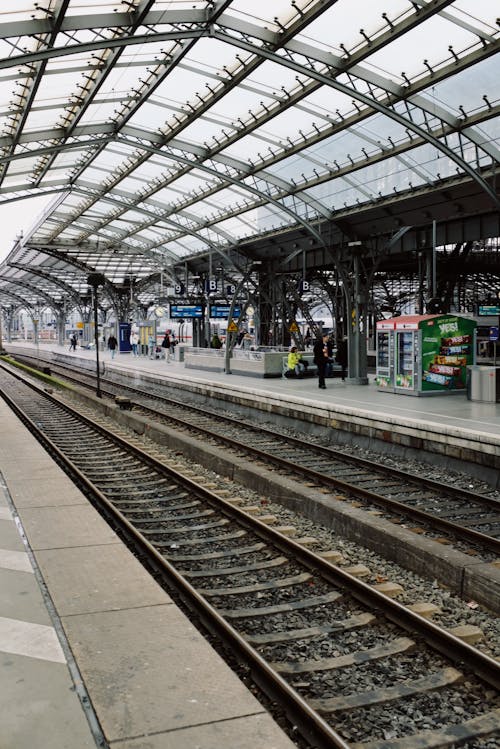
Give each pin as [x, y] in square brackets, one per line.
[163, 129]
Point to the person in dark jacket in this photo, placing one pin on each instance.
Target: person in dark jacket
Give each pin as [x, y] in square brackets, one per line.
[320, 351]
[165, 344]
[112, 345]
[216, 342]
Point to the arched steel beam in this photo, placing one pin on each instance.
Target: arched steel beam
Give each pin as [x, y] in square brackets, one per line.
[372, 103]
[36, 291]
[234, 163]
[31, 86]
[277, 40]
[226, 177]
[137, 18]
[210, 245]
[207, 20]
[154, 206]
[70, 291]
[23, 303]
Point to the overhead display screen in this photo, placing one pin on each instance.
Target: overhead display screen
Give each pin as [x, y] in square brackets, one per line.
[485, 310]
[191, 311]
[222, 311]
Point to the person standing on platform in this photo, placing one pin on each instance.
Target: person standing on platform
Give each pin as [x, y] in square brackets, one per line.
[112, 345]
[134, 340]
[320, 351]
[342, 357]
[329, 364]
[165, 344]
[173, 344]
[151, 346]
[72, 343]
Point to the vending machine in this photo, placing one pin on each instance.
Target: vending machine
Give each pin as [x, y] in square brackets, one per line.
[385, 357]
[429, 354]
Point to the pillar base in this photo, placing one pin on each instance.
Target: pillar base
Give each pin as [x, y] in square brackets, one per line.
[357, 380]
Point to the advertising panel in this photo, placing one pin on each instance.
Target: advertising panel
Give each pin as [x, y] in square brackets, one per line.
[447, 349]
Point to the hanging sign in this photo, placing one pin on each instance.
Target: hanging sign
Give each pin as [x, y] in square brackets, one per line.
[232, 327]
[294, 328]
[222, 310]
[211, 285]
[230, 289]
[180, 289]
[303, 286]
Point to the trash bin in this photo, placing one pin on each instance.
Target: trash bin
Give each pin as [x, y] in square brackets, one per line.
[483, 384]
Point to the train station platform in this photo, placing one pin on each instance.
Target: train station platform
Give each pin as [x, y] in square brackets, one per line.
[445, 427]
[93, 653]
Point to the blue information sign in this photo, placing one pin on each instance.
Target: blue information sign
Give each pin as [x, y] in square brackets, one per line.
[488, 309]
[192, 311]
[493, 333]
[222, 311]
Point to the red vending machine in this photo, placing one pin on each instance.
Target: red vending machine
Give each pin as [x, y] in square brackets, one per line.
[429, 354]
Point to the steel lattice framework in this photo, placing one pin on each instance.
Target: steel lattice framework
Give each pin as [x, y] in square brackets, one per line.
[166, 132]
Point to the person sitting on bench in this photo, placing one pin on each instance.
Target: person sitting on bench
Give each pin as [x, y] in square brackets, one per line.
[296, 363]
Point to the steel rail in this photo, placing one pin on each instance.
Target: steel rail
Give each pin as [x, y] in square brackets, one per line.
[486, 667]
[395, 506]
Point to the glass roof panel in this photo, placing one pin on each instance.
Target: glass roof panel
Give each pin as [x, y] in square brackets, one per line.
[101, 102]
[340, 24]
[431, 40]
[468, 88]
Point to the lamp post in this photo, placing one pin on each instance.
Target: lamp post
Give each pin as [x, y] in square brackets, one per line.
[94, 281]
[1, 342]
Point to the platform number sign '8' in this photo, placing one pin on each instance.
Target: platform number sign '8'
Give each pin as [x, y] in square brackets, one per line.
[303, 286]
[180, 289]
[210, 285]
[230, 289]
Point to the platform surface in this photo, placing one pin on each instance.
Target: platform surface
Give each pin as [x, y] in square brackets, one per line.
[435, 411]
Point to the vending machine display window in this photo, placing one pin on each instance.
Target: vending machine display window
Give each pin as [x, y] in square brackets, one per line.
[384, 356]
[405, 359]
[383, 351]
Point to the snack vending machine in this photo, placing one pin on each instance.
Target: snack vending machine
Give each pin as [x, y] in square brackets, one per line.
[385, 358]
[429, 354]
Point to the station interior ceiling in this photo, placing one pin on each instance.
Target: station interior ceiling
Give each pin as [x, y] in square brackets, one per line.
[250, 144]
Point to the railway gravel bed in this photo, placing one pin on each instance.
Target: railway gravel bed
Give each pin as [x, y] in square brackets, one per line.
[470, 519]
[356, 673]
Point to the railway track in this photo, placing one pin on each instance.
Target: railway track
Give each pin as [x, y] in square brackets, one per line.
[349, 666]
[457, 513]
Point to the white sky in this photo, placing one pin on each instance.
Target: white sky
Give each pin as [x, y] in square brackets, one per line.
[17, 216]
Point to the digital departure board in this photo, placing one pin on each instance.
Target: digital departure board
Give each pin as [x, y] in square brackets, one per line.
[222, 311]
[186, 311]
